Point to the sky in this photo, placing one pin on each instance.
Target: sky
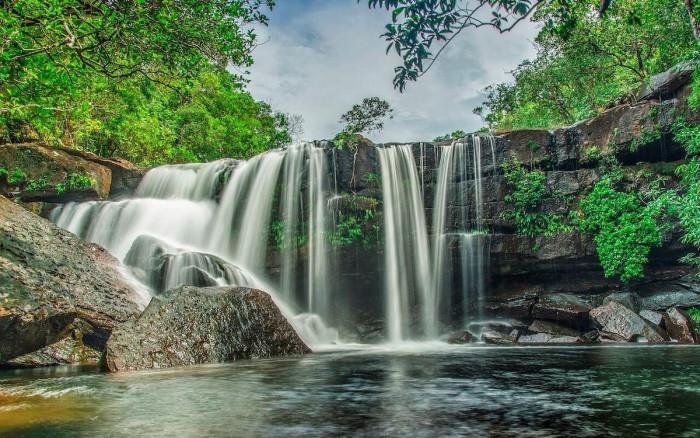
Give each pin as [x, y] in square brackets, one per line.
[317, 58]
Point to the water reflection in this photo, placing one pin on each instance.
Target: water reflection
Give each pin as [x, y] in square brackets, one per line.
[468, 392]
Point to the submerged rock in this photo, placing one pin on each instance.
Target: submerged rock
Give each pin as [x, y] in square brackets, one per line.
[190, 325]
[680, 326]
[619, 323]
[53, 286]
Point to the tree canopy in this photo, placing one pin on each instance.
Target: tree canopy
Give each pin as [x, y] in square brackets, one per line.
[146, 79]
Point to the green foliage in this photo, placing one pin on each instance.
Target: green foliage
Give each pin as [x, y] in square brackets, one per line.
[694, 313]
[37, 184]
[528, 191]
[591, 154]
[351, 227]
[366, 117]
[372, 179]
[418, 25]
[455, 135]
[585, 62]
[134, 79]
[624, 228]
[298, 240]
[355, 221]
[16, 177]
[3, 171]
[75, 182]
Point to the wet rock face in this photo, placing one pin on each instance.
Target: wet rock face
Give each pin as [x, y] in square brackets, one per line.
[53, 286]
[619, 323]
[189, 325]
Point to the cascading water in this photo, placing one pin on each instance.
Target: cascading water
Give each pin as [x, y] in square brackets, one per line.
[407, 261]
[424, 276]
[177, 230]
[463, 244]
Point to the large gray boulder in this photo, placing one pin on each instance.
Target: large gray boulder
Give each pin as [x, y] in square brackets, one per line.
[190, 325]
[619, 323]
[53, 287]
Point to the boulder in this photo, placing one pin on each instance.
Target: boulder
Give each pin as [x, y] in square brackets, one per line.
[461, 337]
[551, 328]
[566, 309]
[126, 176]
[55, 286]
[628, 299]
[664, 85]
[619, 323]
[652, 316]
[45, 174]
[669, 296]
[68, 351]
[189, 325]
[491, 336]
[680, 326]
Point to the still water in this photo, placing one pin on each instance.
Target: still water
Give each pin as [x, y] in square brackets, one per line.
[416, 391]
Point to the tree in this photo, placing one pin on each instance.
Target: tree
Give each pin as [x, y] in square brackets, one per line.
[421, 29]
[454, 135]
[367, 116]
[145, 80]
[295, 126]
[363, 118]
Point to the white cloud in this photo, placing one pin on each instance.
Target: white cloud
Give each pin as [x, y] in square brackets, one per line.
[318, 61]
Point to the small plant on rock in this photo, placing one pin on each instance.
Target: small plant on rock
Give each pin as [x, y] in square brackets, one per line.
[528, 191]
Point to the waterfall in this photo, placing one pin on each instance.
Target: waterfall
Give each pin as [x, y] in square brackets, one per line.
[406, 256]
[210, 225]
[265, 223]
[460, 187]
[423, 276]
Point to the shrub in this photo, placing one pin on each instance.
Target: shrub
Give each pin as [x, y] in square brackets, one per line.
[528, 190]
[623, 228]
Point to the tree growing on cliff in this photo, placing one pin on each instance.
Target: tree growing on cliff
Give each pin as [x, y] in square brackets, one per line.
[363, 118]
